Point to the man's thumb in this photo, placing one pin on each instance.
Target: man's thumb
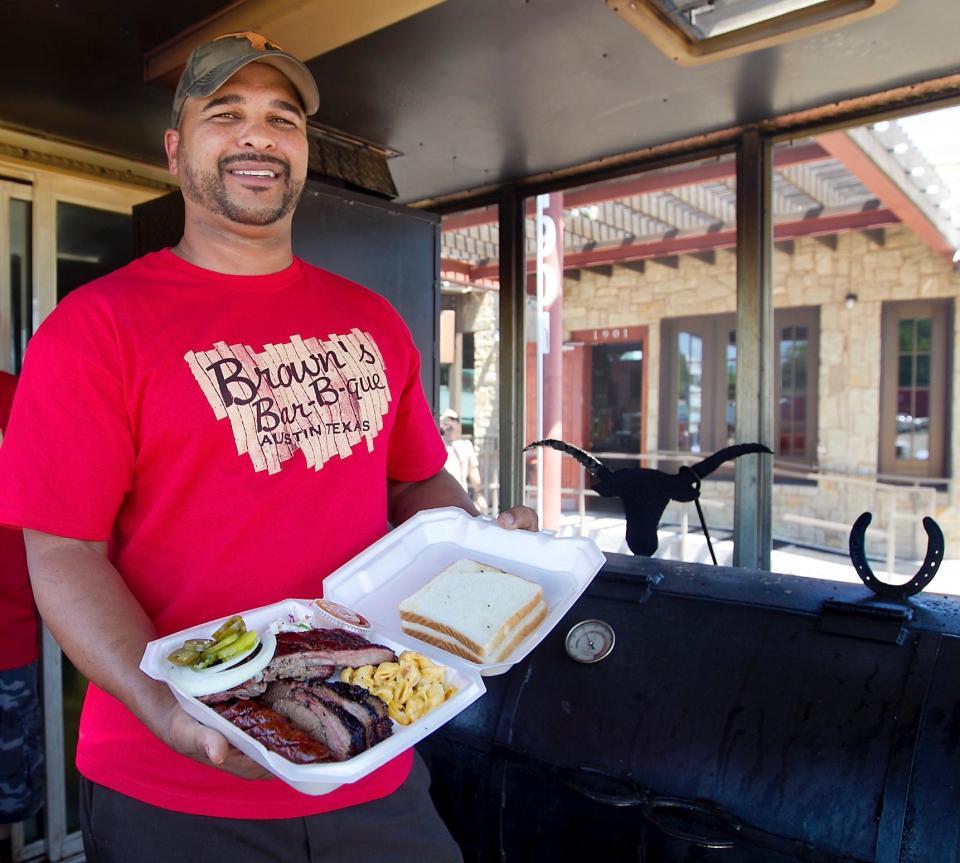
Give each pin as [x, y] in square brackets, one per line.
[214, 747]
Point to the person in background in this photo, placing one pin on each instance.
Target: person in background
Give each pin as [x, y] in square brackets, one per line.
[21, 749]
[215, 427]
[462, 461]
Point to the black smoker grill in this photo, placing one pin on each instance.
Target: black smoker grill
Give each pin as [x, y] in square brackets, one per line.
[742, 717]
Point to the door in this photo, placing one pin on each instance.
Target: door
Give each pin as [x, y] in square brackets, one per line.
[611, 407]
[698, 370]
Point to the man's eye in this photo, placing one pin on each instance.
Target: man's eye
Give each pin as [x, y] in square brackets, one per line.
[226, 115]
[283, 121]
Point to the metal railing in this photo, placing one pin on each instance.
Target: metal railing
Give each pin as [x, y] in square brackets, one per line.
[488, 456]
[828, 502]
[894, 504]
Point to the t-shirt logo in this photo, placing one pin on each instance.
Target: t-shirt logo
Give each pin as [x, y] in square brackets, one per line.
[321, 397]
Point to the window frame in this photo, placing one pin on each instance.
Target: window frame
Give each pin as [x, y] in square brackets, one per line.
[941, 313]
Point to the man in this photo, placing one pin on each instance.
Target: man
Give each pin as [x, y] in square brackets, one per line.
[462, 461]
[220, 425]
[21, 753]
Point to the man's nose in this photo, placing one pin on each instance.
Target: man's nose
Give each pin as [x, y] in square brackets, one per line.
[258, 135]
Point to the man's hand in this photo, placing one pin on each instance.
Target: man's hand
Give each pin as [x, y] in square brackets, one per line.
[519, 518]
[188, 737]
[103, 629]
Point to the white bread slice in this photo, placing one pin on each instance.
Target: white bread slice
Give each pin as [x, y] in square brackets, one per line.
[507, 646]
[475, 605]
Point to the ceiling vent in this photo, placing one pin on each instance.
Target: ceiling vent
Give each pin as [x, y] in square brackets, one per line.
[690, 32]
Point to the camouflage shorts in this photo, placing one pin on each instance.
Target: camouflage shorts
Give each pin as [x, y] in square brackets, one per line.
[21, 746]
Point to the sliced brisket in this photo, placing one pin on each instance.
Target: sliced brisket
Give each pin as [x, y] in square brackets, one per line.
[335, 647]
[339, 730]
[297, 666]
[251, 688]
[369, 709]
[294, 707]
[274, 732]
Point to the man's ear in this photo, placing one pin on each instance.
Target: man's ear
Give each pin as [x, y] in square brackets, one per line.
[171, 143]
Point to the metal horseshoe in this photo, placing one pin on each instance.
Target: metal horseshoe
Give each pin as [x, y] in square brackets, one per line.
[931, 563]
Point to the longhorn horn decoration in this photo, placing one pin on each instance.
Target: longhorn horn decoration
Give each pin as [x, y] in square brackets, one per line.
[594, 466]
[711, 463]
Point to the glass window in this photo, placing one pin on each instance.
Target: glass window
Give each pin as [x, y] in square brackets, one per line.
[912, 420]
[913, 388]
[607, 263]
[730, 412]
[866, 224]
[90, 244]
[689, 391]
[793, 399]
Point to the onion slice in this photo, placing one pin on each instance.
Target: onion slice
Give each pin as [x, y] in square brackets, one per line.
[227, 674]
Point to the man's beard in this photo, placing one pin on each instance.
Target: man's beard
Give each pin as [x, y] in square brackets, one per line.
[208, 189]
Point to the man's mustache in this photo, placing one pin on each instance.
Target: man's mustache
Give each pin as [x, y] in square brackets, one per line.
[226, 161]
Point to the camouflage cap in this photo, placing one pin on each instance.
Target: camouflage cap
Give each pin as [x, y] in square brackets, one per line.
[211, 64]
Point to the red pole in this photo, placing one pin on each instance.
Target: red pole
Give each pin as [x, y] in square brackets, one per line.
[553, 365]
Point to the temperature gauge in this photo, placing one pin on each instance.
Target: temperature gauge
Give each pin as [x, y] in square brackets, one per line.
[590, 641]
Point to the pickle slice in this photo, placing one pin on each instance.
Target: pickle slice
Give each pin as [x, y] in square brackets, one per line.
[183, 656]
[198, 644]
[230, 639]
[231, 624]
[214, 649]
[244, 642]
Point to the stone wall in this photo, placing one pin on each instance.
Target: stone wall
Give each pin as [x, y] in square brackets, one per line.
[811, 274]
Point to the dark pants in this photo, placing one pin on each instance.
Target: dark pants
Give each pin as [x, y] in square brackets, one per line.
[401, 828]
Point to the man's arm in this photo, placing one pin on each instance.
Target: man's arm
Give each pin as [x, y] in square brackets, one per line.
[405, 499]
[103, 630]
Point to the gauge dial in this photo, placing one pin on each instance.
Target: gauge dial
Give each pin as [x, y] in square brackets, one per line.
[590, 641]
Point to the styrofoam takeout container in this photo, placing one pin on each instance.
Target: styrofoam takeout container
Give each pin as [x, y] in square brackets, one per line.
[317, 778]
[397, 565]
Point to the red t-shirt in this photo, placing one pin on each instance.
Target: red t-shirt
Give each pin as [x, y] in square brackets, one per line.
[18, 617]
[231, 437]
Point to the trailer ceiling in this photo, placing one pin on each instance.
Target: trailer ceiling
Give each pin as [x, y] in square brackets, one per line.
[470, 92]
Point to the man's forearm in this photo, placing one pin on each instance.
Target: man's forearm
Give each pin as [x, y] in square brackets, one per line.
[101, 626]
[96, 621]
[406, 499]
